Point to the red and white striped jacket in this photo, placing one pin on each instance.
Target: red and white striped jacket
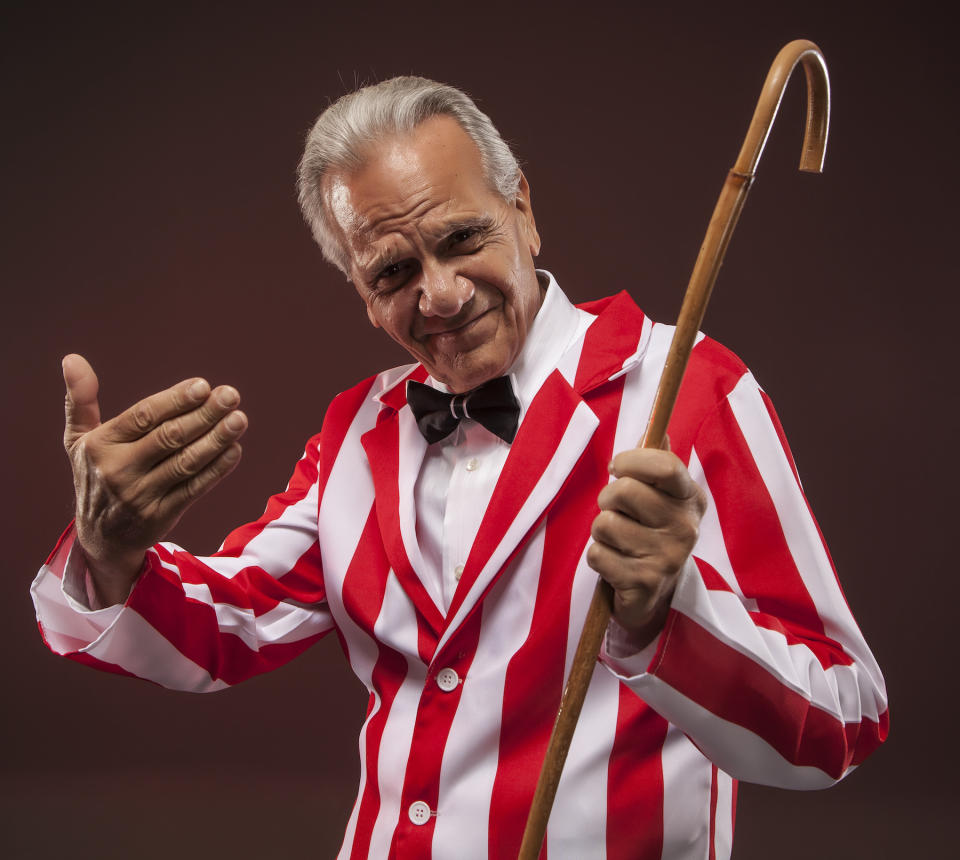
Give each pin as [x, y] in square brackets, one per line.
[760, 673]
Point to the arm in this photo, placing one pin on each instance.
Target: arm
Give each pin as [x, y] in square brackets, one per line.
[759, 660]
[188, 623]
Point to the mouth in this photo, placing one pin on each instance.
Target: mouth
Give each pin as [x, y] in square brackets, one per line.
[453, 331]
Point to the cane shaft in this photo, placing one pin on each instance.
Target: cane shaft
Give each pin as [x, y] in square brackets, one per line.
[726, 213]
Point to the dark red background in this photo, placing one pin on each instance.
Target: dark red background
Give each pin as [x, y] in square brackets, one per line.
[149, 222]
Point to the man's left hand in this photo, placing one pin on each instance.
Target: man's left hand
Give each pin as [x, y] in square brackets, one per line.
[648, 523]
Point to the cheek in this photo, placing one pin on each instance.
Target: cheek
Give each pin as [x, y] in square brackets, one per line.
[394, 317]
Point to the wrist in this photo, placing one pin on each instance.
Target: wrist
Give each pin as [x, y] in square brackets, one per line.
[113, 578]
[640, 629]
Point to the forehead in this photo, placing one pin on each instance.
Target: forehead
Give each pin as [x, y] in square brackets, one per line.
[422, 178]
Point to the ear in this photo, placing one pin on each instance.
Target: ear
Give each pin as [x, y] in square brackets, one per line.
[525, 212]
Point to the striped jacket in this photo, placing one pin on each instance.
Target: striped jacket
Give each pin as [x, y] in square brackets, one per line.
[760, 673]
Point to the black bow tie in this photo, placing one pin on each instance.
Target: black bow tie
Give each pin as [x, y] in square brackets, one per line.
[493, 404]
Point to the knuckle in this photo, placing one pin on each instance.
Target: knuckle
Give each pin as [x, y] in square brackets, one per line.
[193, 488]
[603, 524]
[142, 416]
[671, 468]
[179, 399]
[184, 465]
[209, 414]
[595, 556]
[219, 438]
[616, 491]
[170, 435]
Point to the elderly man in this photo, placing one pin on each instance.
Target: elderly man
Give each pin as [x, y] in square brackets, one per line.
[448, 519]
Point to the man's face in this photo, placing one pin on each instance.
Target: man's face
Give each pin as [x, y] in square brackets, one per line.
[443, 262]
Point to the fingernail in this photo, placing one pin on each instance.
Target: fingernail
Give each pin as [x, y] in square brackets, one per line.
[231, 455]
[610, 467]
[234, 421]
[198, 389]
[228, 396]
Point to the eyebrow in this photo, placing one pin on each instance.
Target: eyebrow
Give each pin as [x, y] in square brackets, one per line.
[379, 263]
[481, 222]
[484, 223]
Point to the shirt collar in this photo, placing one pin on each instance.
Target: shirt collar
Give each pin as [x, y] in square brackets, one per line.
[554, 327]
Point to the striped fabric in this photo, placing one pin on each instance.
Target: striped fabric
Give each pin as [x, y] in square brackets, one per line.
[761, 672]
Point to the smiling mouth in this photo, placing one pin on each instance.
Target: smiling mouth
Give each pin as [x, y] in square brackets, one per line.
[457, 330]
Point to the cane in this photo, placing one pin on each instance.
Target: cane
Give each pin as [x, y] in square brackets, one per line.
[719, 231]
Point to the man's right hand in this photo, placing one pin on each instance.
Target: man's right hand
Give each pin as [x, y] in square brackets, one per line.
[136, 474]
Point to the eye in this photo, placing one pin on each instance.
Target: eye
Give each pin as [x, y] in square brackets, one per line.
[466, 240]
[462, 235]
[393, 275]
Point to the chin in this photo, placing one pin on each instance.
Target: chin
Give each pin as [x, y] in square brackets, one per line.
[473, 368]
[464, 378]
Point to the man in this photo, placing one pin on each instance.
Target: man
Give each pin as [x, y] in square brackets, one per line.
[451, 540]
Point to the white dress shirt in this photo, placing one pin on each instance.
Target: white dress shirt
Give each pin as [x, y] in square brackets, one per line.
[459, 473]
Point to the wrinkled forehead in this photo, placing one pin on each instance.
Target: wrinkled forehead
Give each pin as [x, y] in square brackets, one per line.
[406, 176]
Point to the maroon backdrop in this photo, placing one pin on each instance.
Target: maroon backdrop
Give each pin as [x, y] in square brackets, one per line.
[149, 222]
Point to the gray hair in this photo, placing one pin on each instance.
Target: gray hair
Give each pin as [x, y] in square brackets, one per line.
[356, 121]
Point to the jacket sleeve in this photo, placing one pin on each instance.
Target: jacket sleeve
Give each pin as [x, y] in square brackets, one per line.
[761, 662]
[200, 624]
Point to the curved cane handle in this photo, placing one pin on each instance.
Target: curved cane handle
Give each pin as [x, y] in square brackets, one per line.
[818, 107]
[730, 203]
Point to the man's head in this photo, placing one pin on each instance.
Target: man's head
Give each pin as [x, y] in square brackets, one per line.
[433, 227]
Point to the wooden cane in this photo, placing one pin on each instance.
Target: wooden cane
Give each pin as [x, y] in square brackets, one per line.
[719, 231]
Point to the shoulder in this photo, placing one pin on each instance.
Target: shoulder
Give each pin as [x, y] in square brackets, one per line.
[712, 374]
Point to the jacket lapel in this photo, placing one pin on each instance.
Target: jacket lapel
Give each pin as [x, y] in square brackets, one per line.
[395, 450]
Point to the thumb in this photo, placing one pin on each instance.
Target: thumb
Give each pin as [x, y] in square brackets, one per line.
[81, 405]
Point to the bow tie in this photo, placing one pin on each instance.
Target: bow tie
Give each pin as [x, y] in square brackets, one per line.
[493, 404]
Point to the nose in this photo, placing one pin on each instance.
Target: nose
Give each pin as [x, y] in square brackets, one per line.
[443, 293]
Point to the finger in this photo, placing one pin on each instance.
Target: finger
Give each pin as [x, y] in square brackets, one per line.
[81, 407]
[641, 502]
[190, 461]
[623, 572]
[174, 434]
[150, 412]
[661, 550]
[661, 469]
[623, 533]
[187, 492]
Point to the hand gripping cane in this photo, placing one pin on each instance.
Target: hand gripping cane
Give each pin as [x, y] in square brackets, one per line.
[719, 231]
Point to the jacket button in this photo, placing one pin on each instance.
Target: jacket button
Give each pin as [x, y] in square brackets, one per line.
[419, 812]
[447, 680]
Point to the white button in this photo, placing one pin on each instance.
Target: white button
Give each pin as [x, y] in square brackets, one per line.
[447, 680]
[472, 464]
[458, 571]
[419, 812]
